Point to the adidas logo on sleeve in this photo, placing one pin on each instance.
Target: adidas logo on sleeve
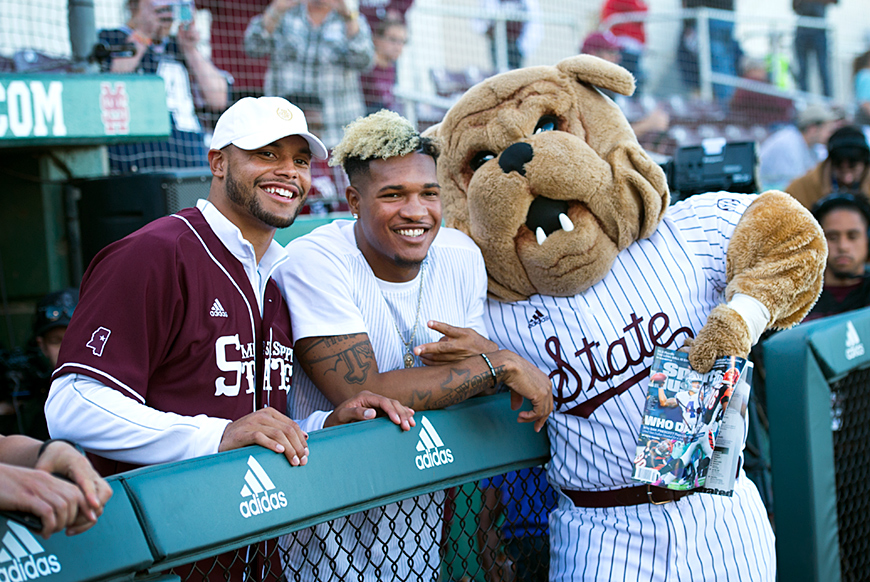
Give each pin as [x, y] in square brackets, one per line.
[432, 451]
[261, 491]
[20, 557]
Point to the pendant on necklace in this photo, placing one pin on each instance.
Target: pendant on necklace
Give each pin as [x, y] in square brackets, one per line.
[409, 360]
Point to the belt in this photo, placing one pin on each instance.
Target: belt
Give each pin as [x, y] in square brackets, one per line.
[626, 496]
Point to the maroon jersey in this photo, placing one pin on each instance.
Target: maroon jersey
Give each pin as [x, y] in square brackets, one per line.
[168, 317]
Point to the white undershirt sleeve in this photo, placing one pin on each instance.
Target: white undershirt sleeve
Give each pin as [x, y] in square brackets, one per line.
[106, 422]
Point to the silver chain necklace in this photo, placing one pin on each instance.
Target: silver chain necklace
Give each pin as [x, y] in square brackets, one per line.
[408, 358]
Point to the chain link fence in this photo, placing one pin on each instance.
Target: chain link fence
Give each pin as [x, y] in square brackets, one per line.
[490, 530]
[850, 409]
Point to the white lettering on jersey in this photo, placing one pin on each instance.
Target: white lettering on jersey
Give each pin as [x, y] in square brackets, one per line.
[280, 360]
[237, 367]
[178, 97]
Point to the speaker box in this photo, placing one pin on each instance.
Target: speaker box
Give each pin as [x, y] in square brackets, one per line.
[112, 207]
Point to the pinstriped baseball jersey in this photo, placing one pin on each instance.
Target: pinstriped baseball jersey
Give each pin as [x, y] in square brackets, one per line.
[331, 290]
[597, 348]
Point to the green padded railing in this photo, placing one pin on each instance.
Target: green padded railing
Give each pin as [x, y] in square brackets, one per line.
[801, 364]
[175, 513]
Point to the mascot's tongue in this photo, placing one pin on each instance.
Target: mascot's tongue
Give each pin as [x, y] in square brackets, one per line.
[544, 213]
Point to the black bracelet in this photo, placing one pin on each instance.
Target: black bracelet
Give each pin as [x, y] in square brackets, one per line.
[491, 369]
[44, 446]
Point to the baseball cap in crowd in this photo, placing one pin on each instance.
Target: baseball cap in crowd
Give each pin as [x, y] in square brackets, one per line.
[55, 310]
[849, 143]
[600, 41]
[254, 122]
[815, 113]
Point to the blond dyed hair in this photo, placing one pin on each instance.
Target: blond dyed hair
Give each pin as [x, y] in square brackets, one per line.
[381, 135]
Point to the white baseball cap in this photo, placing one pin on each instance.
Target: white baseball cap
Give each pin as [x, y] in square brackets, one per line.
[254, 122]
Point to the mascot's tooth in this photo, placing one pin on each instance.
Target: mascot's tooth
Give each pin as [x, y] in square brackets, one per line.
[566, 223]
[540, 235]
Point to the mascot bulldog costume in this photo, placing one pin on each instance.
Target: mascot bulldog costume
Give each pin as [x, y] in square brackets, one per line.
[589, 270]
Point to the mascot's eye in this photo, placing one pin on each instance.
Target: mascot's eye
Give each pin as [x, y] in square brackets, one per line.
[547, 123]
[479, 159]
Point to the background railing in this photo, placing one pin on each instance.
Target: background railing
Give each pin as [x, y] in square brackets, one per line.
[818, 400]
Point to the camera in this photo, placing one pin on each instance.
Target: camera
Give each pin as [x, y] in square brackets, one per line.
[712, 166]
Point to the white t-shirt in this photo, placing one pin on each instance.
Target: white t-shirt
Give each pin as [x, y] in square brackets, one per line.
[331, 290]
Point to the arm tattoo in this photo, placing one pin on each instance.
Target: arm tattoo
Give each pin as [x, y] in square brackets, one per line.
[459, 386]
[351, 352]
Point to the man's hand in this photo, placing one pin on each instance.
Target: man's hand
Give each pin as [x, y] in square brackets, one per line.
[525, 381]
[59, 504]
[457, 344]
[60, 458]
[269, 429]
[188, 37]
[365, 406]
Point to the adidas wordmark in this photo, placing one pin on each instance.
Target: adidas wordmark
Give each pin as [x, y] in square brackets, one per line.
[20, 559]
[433, 453]
[261, 490]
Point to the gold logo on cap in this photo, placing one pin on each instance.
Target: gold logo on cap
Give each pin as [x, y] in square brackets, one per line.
[285, 114]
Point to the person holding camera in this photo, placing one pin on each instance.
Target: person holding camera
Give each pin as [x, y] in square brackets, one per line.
[191, 81]
[844, 171]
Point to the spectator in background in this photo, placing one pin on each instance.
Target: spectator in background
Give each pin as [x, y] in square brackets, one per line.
[845, 218]
[520, 501]
[523, 36]
[861, 77]
[316, 48]
[28, 370]
[53, 481]
[630, 35]
[753, 107]
[604, 45]
[792, 151]
[725, 52]
[389, 37]
[377, 10]
[190, 79]
[812, 40]
[845, 169]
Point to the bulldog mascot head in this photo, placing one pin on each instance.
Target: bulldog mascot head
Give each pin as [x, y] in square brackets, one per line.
[545, 174]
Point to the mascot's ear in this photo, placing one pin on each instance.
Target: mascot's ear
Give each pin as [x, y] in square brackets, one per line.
[598, 72]
[431, 131]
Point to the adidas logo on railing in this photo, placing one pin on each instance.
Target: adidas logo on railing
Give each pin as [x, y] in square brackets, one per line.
[258, 486]
[19, 556]
[217, 310]
[431, 447]
[854, 347]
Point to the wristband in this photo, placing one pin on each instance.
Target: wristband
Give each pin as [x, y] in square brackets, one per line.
[350, 16]
[491, 369]
[44, 446]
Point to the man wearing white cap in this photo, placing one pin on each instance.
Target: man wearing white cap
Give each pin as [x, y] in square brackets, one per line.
[179, 345]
